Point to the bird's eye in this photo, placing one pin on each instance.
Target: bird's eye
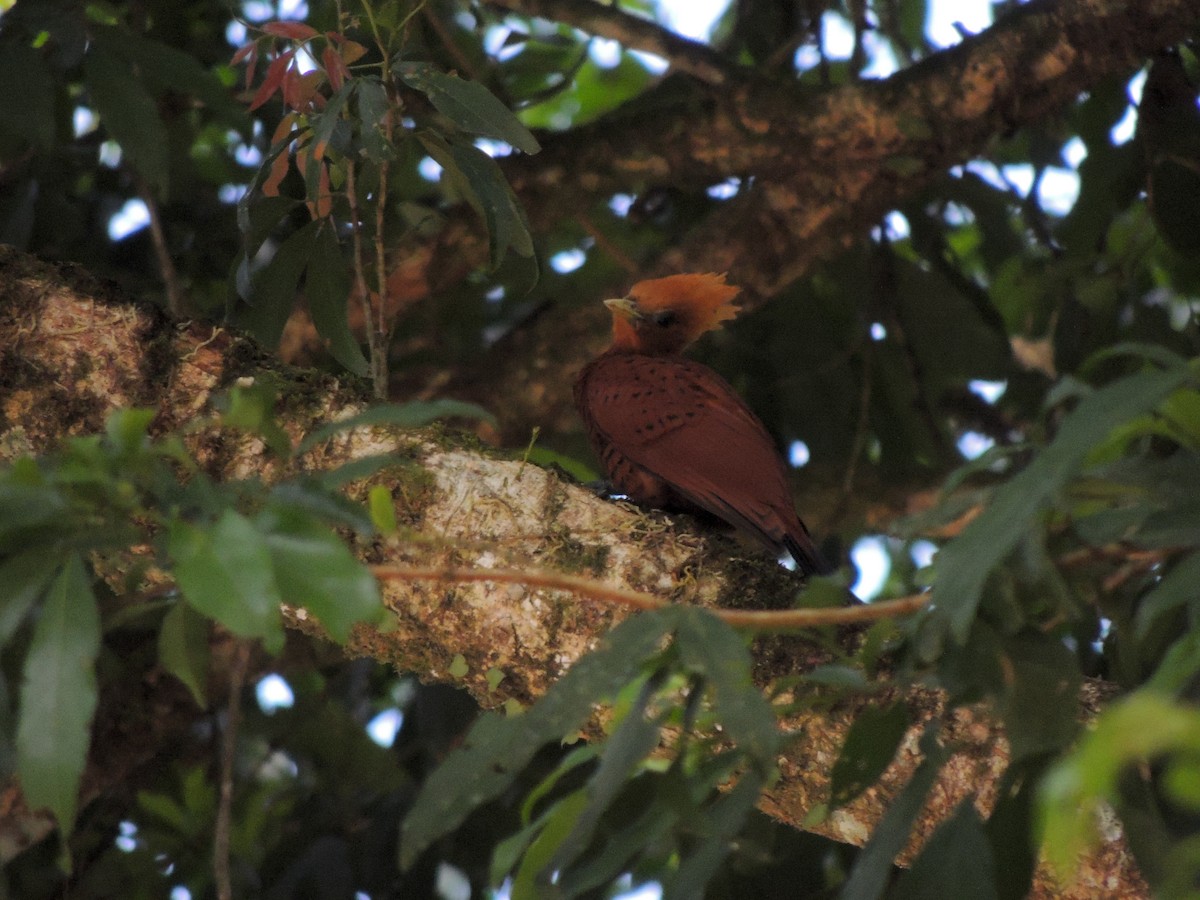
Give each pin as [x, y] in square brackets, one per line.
[665, 319]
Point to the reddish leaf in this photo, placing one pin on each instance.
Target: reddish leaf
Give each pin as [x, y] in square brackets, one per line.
[334, 67]
[296, 31]
[283, 128]
[244, 52]
[352, 51]
[324, 193]
[273, 79]
[251, 63]
[279, 170]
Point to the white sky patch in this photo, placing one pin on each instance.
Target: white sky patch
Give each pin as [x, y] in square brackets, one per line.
[973, 445]
[247, 155]
[1123, 131]
[620, 204]
[274, 693]
[293, 9]
[798, 454]
[493, 148]
[235, 33]
[604, 53]
[897, 225]
[725, 189]
[179, 892]
[1058, 190]
[231, 193]
[941, 25]
[429, 169]
[384, 727]
[874, 564]
[568, 260]
[988, 391]
[83, 121]
[452, 884]
[258, 11]
[652, 891]
[922, 553]
[878, 331]
[110, 154]
[655, 65]
[694, 19]
[131, 218]
[1074, 152]
[126, 839]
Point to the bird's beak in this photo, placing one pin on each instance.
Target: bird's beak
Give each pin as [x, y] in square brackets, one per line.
[624, 307]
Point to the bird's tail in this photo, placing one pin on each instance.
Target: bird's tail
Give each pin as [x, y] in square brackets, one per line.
[808, 558]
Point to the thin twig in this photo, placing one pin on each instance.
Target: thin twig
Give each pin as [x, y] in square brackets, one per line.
[756, 619]
[374, 351]
[158, 237]
[233, 715]
[692, 57]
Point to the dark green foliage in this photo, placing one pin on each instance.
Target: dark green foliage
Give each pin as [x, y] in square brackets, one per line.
[1067, 551]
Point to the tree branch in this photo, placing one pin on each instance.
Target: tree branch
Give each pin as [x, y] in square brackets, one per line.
[634, 33]
[471, 511]
[826, 165]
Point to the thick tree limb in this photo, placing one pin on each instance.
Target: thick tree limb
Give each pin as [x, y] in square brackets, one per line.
[74, 353]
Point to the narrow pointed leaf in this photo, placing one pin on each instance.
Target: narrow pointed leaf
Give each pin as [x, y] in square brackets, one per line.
[469, 105]
[58, 696]
[183, 649]
[327, 287]
[314, 569]
[225, 572]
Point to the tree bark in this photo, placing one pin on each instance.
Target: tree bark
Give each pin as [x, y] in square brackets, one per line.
[76, 350]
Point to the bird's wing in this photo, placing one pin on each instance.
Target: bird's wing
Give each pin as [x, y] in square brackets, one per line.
[682, 422]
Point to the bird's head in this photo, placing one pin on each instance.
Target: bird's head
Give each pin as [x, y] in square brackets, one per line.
[664, 315]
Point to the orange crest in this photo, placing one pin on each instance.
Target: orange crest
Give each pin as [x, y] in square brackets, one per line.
[706, 297]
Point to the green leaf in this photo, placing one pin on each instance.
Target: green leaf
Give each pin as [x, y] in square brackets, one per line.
[274, 287]
[870, 747]
[715, 651]
[258, 216]
[23, 578]
[416, 414]
[225, 571]
[1037, 703]
[183, 649]
[252, 408]
[58, 696]
[322, 131]
[166, 68]
[557, 826]
[964, 563]
[497, 749]
[127, 430]
[956, 862]
[724, 820]
[128, 112]
[383, 511]
[373, 107]
[27, 101]
[1144, 725]
[873, 866]
[1177, 587]
[478, 177]
[327, 287]
[634, 738]
[469, 105]
[314, 569]
[317, 495]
